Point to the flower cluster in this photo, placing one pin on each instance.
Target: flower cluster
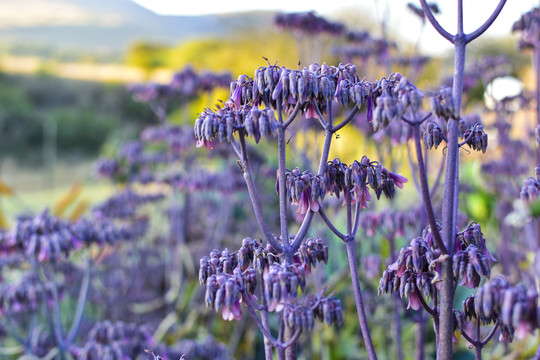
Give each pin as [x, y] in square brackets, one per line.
[476, 138]
[298, 316]
[281, 283]
[224, 291]
[418, 264]
[226, 181]
[308, 23]
[176, 138]
[222, 124]
[531, 187]
[396, 97]
[362, 45]
[414, 272]
[311, 252]
[26, 295]
[229, 276]
[470, 265]
[443, 105]
[185, 84]
[391, 221]
[304, 189]
[310, 89]
[45, 237]
[356, 178]
[472, 259]
[514, 307]
[433, 135]
[307, 191]
[529, 27]
[116, 341]
[124, 204]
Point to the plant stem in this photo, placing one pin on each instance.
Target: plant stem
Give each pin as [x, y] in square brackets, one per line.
[81, 302]
[422, 174]
[268, 353]
[322, 169]
[283, 206]
[254, 196]
[478, 345]
[362, 318]
[397, 303]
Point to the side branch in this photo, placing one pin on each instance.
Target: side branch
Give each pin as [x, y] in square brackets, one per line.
[292, 116]
[253, 195]
[470, 37]
[427, 11]
[331, 226]
[425, 305]
[322, 169]
[266, 332]
[347, 120]
[81, 302]
[425, 192]
[490, 335]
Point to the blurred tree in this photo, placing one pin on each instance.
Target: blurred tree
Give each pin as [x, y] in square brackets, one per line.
[147, 56]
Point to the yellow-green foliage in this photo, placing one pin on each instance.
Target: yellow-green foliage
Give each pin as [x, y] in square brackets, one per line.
[241, 54]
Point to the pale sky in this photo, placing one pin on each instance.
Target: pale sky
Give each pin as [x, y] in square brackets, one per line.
[476, 12]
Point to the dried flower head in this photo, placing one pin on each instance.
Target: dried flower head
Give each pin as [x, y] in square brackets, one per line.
[442, 104]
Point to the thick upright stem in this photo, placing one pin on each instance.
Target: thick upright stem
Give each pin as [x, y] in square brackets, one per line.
[283, 206]
[362, 318]
[291, 351]
[478, 344]
[450, 200]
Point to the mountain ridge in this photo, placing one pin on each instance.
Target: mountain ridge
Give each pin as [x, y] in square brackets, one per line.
[107, 26]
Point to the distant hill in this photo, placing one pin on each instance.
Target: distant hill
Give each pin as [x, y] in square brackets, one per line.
[104, 27]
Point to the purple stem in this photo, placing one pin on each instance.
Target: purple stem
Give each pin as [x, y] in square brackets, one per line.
[397, 303]
[478, 344]
[362, 318]
[283, 206]
[435, 186]
[254, 196]
[427, 11]
[268, 353]
[348, 119]
[422, 174]
[266, 332]
[470, 37]
[330, 225]
[81, 302]
[490, 335]
[322, 169]
[357, 209]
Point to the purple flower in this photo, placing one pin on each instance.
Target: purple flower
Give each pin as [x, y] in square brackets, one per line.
[361, 195]
[399, 179]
